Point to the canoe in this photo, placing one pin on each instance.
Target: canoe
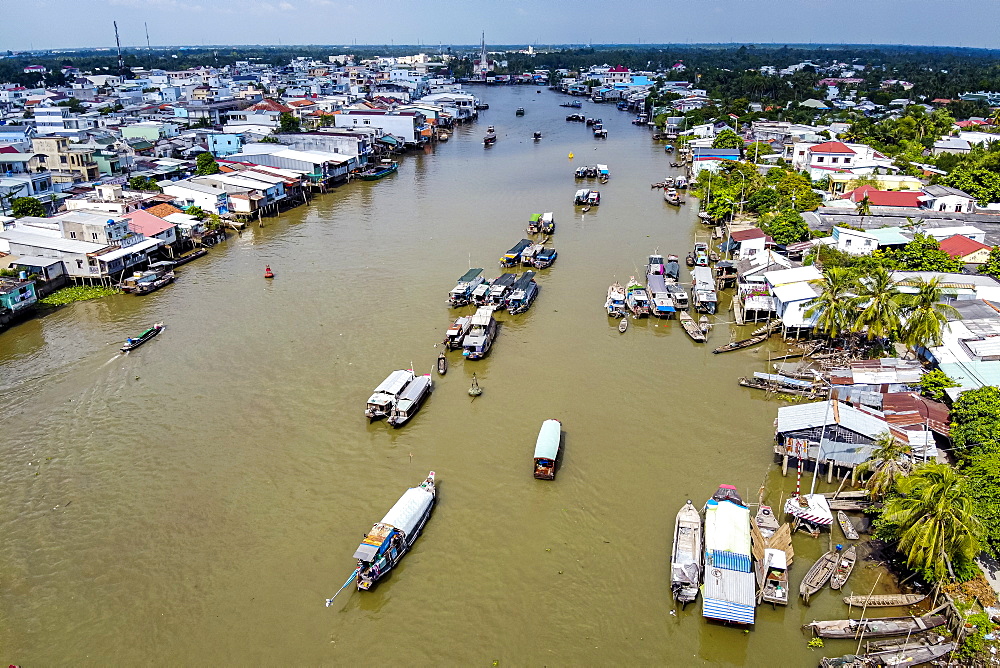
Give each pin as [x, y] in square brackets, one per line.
[442, 364]
[844, 568]
[737, 345]
[850, 533]
[704, 324]
[818, 574]
[623, 324]
[882, 627]
[884, 600]
[685, 560]
[691, 327]
[907, 654]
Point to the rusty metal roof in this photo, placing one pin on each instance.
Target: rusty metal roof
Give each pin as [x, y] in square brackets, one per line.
[905, 409]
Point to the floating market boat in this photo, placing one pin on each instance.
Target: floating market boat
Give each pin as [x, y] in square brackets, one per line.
[691, 327]
[155, 277]
[884, 600]
[655, 265]
[132, 344]
[383, 399]
[678, 294]
[383, 169]
[587, 197]
[410, 400]
[545, 258]
[394, 535]
[534, 224]
[528, 254]
[512, 257]
[547, 450]
[661, 304]
[522, 293]
[615, 303]
[705, 324]
[818, 575]
[500, 288]
[685, 560]
[671, 270]
[882, 627]
[482, 293]
[774, 587]
[461, 294]
[548, 223]
[575, 104]
[603, 173]
[637, 299]
[701, 254]
[456, 333]
[850, 533]
[703, 293]
[481, 335]
[729, 591]
[671, 197]
[844, 568]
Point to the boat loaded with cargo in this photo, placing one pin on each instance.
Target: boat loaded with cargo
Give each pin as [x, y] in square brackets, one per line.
[456, 333]
[615, 303]
[522, 293]
[410, 400]
[685, 560]
[513, 257]
[461, 294]
[481, 335]
[499, 289]
[637, 299]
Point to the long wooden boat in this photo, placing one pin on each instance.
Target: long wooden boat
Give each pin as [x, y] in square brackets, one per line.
[392, 537]
[850, 533]
[132, 344]
[818, 574]
[691, 327]
[904, 654]
[623, 324]
[383, 169]
[844, 568]
[685, 560]
[882, 627]
[737, 345]
[442, 364]
[768, 386]
[884, 600]
[547, 450]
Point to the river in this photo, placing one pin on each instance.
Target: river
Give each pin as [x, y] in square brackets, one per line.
[194, 502]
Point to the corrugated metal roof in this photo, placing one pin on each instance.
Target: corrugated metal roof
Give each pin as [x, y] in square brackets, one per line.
[732, 561]
[909, 408]
[808, 416]
[729, 596]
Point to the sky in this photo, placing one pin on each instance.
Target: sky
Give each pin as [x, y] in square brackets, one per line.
[53, 24]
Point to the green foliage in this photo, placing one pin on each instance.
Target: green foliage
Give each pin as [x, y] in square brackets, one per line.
[77, 293]
[289, 123]
[983, 472]
[889, 462]
[206, 165]
[270, 139]
[934, 383]
[785, 227]
[197, 212]
[75, 105]
[924, 253]
[981, 183]
[757, 149]
[975, 421]
[816, 642]
[27, 206]
[925, 314]
[974, 645]
[728, 139]
[796, 191]
[144, 183]
[992, 265]
[763, 200]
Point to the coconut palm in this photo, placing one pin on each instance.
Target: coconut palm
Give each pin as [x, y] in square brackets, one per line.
[925, 315]
[878, 300]
[833, 307]
[889, 462]
[934, 521]
[864, 208]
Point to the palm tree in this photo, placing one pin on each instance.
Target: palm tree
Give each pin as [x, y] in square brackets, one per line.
[833, 307]
[934, 521]
[925, 315]
[878, 298]
[864, 208]
[889, 462]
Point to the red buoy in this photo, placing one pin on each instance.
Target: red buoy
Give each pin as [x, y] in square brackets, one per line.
[267, 271]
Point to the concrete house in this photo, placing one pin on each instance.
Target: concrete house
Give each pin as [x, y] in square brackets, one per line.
[67, 163]
[969, 251]
[404, 124]
[187, 194]
[943, 198]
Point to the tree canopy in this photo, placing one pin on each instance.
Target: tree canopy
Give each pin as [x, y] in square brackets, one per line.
[27, 206]
[206, 165]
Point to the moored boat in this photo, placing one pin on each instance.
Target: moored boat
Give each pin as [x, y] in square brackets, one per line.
[905, 654]
[881, 627]
[615, 303]
[132, 344]
[155, 277]
[884, 600]
[519, 111]
[522, 293]
[729, 593]
[534, 224]
[512, 257]
[844, 568]
[392, 537]
[481, 335]
[661, 304]
[545, 258]
[623, 325]
[766, 522]
[704, 324]
[456, 333]
[818, 574]
[655, 265]
[499, 289]
[461, 294]
[442, 364]
[381, 170]
[383, 399]
[575, 104]
[678, 295]
[547, 450]
[850, 533]
[529, 254]
[637, 299]
[774, 587]
[738, 345]
[691, 327]
[410, 400]
[685, 559]
[548, 223]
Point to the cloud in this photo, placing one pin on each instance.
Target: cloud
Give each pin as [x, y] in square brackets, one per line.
[286, 6]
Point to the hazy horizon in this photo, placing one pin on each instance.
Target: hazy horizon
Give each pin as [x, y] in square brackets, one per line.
[68, 24]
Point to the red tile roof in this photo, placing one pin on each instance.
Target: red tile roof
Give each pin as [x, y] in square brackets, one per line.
[267, 104]
[960, 246]
[163, 210]
[146, 223]
[618, 68]
[966, 124]
[876, 197]
[831, 147]
[746, 235]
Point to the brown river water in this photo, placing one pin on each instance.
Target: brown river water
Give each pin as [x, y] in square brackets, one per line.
[194, 502]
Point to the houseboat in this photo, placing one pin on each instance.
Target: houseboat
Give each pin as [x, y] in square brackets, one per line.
[534, 224]
[680, 183]
[685, 560]
[678, 295]
[481, 335]
[547, 450]
[615, 304]
[586, 172]
[410, 400]
[381, 170]
[729, 592]
[705, 298]
[545, 258]
[132, 344]
[600, 132]
[522, 293]
[701, 254]
[482, 293]
[671, 197]
[575, 104]
[548, 223]
[661, 305]
[461, 294]
[512, 257]
[603, 173]
[383, 399]
[672, 269]
[500, 288]
[637, 299]
[155, 277]
[529, 253]
[456, 333]
[394, 535]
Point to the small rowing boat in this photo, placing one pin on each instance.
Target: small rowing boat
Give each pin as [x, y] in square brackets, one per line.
[442, 364]
[738, 345]
[818, 574]
[623, 324]
[685, 561]
[884, 600]
[884, 627]
[704, 324]
[691, 327]
[850, 533]
[132, 344]
[844, 568]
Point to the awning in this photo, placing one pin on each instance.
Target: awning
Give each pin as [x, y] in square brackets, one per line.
[389, 140]
[145, 245]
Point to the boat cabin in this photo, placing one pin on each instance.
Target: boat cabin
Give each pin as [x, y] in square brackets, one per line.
[581, 196]
[655, 265]
[513, 256]
[461, 294]
[457, 332]
[535, 223]
[705, 298]
[144, 279]
[662, 306]
[410, 400]
[593, 198]
[679, 295]
[548, 222]
[500, 288]
[775, 586]
[480, 337]
[522, 293]
[481, 293]
[547, 450]
[545, 258]
[383, 399]
[602, 172]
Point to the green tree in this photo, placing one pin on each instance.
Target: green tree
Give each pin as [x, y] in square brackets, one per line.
[924, 253]
[981, 183]
[877, 301]
[983, 472]
[144, 184]
[728, 139]
[925, 315]
[992, 265]
[889, 462]
[786, 227]
[197, 212]
[975, 421]
[934, 383]
[864, 208]
[289, 123]
[796, 191]
[763, 200]
[933, 522]
[27, 206]
[75, 105]
[834, 307]
[206, 165]
[757, 149]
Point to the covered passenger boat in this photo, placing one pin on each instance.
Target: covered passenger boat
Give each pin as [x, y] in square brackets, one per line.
[500, 288]
[547, 450]
[383, 399]
[512, 257]
[534, 224]
[615, 303]
[410, 400]
[730, 588]
[545, 258]
[637, 299]
[456, 333]
[461, 294]
[705, 298]
[480, 338]
[522, 293]
[685, 560]
[661, 305]
[394, 535]
[548, 222]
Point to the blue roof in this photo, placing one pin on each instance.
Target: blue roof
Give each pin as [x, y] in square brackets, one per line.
[732, 561]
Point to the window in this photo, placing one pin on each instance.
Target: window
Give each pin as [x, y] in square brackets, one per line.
[94, 235]
[802, 152]
[819, 159]
[958, 208]
[847, 161]
[942, 207]
[847, 242]
[62, 159]
[835, 160]
[79, 264]
[72, 235]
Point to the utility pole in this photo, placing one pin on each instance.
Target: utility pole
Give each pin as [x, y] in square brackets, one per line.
[121, 61]
[146, 26]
